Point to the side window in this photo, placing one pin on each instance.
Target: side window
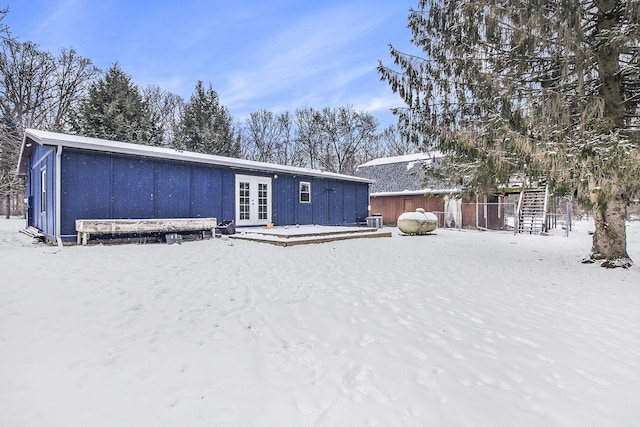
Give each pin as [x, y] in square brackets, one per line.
[305, 192]
[43, 190]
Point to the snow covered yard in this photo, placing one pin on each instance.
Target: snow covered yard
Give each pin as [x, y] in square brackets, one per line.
[458, 328]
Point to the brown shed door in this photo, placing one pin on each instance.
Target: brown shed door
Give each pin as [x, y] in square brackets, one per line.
[408, 205]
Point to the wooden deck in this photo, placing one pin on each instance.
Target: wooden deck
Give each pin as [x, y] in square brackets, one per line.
[306, 234]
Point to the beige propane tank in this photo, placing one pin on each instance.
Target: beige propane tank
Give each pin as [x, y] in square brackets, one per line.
[418, 222]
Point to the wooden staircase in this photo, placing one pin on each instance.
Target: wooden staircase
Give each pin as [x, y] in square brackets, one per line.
[532, 211]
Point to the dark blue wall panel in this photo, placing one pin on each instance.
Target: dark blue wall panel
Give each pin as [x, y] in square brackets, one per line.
[335, 204]
[349, 203]
[228, 195]
[86, 188]
[173, 183]
[303, 212]
[133, 188]
[284, 200]
[319, 201]
[206, 192]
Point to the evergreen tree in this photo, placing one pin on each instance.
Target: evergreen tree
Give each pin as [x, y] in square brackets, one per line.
[115, 110]
[545, 88]
[205, 126]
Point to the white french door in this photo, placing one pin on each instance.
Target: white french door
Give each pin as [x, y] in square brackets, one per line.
[253, 200]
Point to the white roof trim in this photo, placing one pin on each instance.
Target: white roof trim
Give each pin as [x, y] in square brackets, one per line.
[415, 192]
[106, 146]
[402, 159]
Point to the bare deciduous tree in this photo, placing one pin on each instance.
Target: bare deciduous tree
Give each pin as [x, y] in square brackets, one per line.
[4, 29]
[72, 78]
[308, 136]
[37, 90]
[268, 137]
[396, 143]
[165, 108]
[346, 135]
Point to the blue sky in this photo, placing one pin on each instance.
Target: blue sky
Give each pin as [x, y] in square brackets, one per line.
[277, 55]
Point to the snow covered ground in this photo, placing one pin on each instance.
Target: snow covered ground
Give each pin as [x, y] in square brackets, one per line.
[458, 328]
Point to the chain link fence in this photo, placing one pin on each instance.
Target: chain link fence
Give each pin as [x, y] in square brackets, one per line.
[483, 215]
[561, 212]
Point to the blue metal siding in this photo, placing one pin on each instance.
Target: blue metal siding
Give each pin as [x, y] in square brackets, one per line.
[324, 193]
[349, 204]
[103, 185]
[50, 227]
[228, 195]
[303, 211]
[32, 189]
[362, 205]
[173, 184]
[319, 201]
[335, 204]
[206, 192]
[86, 187]
[133, 188]
[280, 209]
[44, 158]
[284, 204]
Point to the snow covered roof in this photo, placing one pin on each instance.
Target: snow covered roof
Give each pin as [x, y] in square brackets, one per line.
[400, 159]
[444, 190]
[127, 148]
[403, 175]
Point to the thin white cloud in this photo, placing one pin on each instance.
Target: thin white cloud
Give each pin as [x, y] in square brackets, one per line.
[61, 13]
[299, 56]
[272, 55]
[382, 103]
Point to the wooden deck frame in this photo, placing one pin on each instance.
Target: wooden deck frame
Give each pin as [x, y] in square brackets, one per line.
[86, 227]
[306, 235]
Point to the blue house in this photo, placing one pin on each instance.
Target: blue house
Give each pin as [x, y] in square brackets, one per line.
[72, 177]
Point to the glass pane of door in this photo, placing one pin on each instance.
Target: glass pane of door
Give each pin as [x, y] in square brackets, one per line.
[244, 201]
[263, 201]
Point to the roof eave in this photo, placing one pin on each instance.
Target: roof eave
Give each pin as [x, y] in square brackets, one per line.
[25, 151]
[94, 144]
[416, 192]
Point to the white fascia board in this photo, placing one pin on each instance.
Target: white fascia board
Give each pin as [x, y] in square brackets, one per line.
[402, 159]
[416, 192]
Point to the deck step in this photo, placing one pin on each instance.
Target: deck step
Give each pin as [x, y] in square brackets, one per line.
[302, 236]
[33, 232]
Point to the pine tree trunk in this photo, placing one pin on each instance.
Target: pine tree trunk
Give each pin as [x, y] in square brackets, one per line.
[610, 209]
[610, 237]
[8, 213]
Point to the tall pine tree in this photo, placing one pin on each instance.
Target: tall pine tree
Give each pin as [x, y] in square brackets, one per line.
[545, 88]
[206, 126]
[115, 110]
